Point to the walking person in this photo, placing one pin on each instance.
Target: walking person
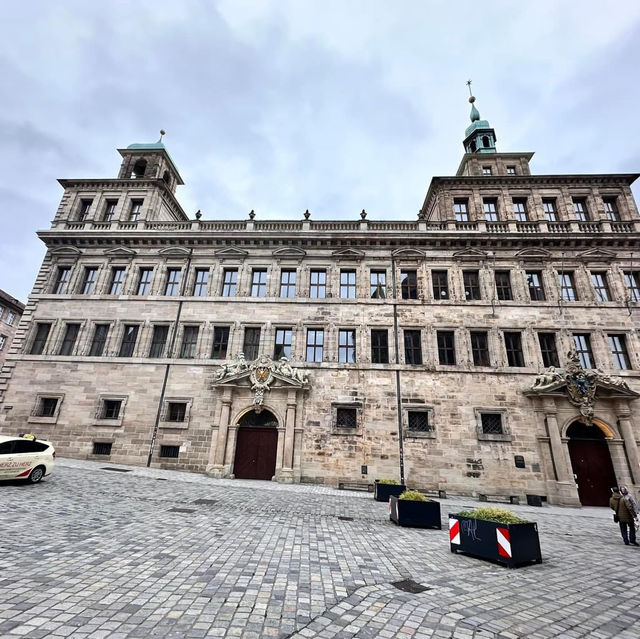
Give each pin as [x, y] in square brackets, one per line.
[624, 491]
[624, 515]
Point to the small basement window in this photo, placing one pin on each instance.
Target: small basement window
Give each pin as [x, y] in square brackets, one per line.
[101, 448]
[176, 411]
[47, 407]
[346, 418]
[419, 421]
[111, 409]
[491, 425]
[170, 451]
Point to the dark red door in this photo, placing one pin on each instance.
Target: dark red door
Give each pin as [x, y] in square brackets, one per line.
[594, 472]
[256, 453]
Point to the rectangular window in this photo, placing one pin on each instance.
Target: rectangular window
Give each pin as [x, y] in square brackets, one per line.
[567, 287]
[409, 285]
[440, 283]
[251, 344]
[318, 286]
[288, 283]
[144, 281]
[511, 170]
[47, 407]
[117, 280]
[176, 411]
[347, 346]
[346, 418]
[618, 346]
[111, 409]
[471, 281]
[580, 209]
[89, 282]
[486, 170]
[62, 281]
[379, 346]
[490, 207]
[69, 339]
[158, 341]
[549, 209]
[582, 342]
[520, 209]
[632, 281]
[220, 342]
[259, 282]
[85, 207]
[611, 209]
[10, 318]
[99, 340]
[600, 287]
[446, 348]
[418, 421]
[102, 448]
[173, 281]
[461, 209]
[189, 342]
[503, 285]
[315, 344]
[378, 285]
[480, 348]
[548, 349]
[3, 341]
[282, 347]
[348, 284]
[134, 211]
[129, 338]
[172, 452]
[201, 282]
[230, 282]
[491, 423]
[412, 347]
[513, 346]
[536, 288]
[109, 210]
[42, 334]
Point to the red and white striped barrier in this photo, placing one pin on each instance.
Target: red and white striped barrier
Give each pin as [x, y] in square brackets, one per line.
[454, 531]
[504, 542]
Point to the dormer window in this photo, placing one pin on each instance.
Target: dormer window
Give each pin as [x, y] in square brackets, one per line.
[139, 169]
[511, 170]
[486, 170]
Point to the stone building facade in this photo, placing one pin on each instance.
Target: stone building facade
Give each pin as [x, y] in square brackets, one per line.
[11, 311]
[488, 347]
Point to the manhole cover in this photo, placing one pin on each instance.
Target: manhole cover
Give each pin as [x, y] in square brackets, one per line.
[408, 585]
[345, 518]
[182, 510]
[206, 502]
[117, 470]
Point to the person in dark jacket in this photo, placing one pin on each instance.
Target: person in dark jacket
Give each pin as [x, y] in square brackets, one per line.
[626, 514]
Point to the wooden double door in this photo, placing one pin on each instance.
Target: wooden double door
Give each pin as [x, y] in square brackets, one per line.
[256, 446]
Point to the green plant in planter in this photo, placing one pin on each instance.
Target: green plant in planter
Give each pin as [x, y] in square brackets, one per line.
[413, 495]
[492, 513]
[390, 482]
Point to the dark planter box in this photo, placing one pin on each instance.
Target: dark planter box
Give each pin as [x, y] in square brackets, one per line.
[508, 544]
[382, 492]
[417, 514]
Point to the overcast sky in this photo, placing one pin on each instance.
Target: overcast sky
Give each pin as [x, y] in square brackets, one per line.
[280, 106]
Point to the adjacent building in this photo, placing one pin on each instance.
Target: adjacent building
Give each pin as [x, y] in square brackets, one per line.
[488, 347]
[11, 311]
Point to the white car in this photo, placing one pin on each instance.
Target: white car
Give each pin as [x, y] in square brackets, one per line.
[25, 457]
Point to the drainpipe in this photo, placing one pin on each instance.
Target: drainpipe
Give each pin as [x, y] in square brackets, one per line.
[172, 341]
[397, 351]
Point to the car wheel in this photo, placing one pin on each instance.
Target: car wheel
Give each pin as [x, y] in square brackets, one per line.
[36, 474]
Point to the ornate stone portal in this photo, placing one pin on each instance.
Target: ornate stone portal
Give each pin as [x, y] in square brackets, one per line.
[249, 386]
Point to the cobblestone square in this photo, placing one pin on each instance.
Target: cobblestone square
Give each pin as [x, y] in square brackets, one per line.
[151, 553]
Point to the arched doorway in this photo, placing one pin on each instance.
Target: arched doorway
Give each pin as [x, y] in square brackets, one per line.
[256, 446]
[591, 462]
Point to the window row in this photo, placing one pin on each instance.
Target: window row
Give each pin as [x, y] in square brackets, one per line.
[520, 209]
[413, 343]
[109, 209]
[476, 284]
[7, 316]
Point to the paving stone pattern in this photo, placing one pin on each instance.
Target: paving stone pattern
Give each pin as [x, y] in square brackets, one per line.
[99, 554]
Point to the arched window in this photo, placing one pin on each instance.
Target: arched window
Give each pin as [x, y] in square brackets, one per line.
[167, 178]
[472, 146]
[485, 141]
[139, 169]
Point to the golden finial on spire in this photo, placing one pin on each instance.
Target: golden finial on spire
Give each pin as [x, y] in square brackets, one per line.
[162, 133]
[471, 98]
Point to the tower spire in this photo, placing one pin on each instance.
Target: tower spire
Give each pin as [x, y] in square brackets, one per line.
[475, 114]
[479, 137]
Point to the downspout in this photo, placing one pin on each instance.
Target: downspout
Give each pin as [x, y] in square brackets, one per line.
[172, 341]
[397, 351]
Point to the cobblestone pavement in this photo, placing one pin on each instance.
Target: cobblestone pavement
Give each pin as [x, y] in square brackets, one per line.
[94, 553]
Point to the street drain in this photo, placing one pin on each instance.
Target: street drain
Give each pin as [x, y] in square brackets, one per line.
[206, 502]
[345, 518]
[117, 470]
[182, 510]
[408, 585]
